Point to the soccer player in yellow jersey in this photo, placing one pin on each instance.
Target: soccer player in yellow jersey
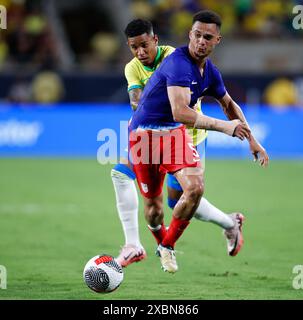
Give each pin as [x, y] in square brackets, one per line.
[148, 55]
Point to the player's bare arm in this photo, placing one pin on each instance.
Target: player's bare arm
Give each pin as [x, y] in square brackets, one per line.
[134, 97]
[234, 111]
[179, 98]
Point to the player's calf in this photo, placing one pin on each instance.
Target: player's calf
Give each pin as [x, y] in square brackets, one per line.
[159, 232]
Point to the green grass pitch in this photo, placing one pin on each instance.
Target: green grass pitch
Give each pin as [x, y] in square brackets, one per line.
[56, 214]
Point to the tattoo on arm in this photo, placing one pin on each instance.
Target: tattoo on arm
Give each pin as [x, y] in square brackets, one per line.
[134, 97]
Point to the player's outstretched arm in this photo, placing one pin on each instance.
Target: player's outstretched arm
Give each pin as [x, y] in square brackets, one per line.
[179, 98]
[233, 111]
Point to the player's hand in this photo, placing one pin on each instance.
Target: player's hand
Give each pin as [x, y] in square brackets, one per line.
[241, 131]
[259, 153]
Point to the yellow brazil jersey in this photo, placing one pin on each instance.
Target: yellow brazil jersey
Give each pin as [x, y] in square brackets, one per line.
[137, 76]
[199, 135]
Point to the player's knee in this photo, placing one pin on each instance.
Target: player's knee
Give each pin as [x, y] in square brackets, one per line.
[122, 172]
[194, 192]
[118, 176]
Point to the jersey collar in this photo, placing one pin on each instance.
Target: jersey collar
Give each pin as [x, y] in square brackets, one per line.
[156, 62]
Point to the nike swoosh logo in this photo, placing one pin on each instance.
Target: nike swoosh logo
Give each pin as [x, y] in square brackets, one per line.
[126, 257]
[194, 82]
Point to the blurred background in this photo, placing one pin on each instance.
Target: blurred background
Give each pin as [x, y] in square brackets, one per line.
[80, 43]
[59, 53]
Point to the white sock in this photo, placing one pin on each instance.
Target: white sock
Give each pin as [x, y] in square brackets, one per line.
[207, 212]
[157, 228]
[127, 205]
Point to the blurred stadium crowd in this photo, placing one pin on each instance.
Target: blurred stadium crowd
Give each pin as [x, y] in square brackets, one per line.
[51, 48]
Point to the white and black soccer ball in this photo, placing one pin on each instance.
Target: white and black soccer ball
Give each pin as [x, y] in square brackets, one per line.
[103, 274]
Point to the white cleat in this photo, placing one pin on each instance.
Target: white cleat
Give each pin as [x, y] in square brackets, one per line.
[234, 235]
[130, 254]
[167, 258]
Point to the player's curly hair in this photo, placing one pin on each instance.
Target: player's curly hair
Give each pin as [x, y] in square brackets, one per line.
[208, 16]
[137, 27]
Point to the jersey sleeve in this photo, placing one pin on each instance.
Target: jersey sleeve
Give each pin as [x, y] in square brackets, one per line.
[217, 88]
[178, 72]
[132, 77]
[169, 50]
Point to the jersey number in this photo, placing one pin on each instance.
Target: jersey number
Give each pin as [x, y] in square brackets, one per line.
[195, 152]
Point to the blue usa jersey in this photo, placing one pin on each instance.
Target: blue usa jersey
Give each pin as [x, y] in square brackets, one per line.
[178, 69]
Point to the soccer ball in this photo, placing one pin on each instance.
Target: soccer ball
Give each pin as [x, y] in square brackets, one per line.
[103, 274]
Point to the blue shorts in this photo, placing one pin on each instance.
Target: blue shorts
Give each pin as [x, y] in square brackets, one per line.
[172, 182]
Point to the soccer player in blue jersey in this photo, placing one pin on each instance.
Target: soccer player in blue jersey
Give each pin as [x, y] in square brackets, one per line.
[148, 56]
[165, 108]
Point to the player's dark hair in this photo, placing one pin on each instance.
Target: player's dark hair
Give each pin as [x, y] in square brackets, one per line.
[208, 16]
[137, 27]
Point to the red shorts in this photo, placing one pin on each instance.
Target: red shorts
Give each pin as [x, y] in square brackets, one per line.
[154, 153]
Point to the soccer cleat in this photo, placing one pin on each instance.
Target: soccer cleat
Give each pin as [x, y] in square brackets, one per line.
[129, 254]
[167, 258]
[234, 235]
